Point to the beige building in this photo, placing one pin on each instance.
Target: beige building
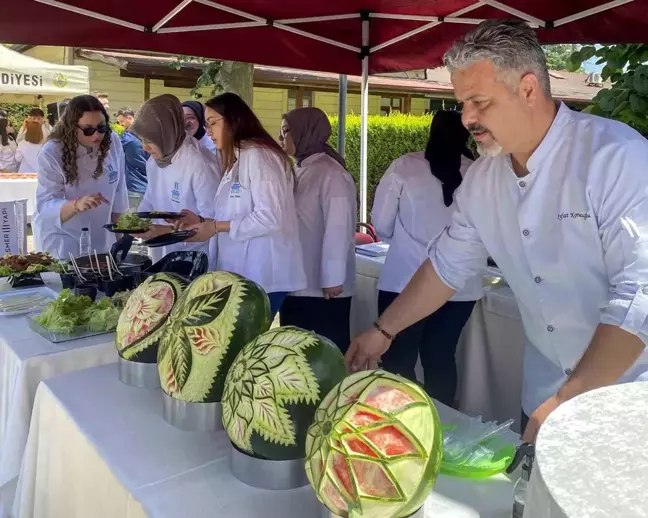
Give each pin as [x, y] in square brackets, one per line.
[131, 78]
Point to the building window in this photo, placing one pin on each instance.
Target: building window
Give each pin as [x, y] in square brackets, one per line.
[298, 98]
[390, 104]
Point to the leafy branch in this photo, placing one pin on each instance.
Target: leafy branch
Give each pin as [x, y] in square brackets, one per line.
[209, 76]
[625, 67]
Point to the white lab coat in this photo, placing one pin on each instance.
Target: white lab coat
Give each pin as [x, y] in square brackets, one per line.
[325, 198]
[189, 182]
[50, 235]
[256, 196]
[571, 239]
[409, 212]
[27, 156]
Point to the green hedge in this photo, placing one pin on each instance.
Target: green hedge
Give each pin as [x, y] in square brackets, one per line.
[17, 113]
[389, 138]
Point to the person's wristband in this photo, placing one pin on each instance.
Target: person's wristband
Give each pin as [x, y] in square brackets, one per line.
[387, 335]
[215, 227]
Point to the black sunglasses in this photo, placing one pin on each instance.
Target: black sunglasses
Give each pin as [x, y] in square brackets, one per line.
[88, 132]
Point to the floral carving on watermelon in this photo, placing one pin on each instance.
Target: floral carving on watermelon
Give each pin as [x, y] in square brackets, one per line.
[268, 374]
[375, 447]
[146, 310]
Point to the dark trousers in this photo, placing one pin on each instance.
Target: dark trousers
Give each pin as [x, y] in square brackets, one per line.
[329, 318]
[435, 339]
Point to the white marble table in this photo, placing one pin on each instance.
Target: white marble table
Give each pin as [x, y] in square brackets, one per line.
[98, 448]
[26, 359]
[592, 457]
[490, 350]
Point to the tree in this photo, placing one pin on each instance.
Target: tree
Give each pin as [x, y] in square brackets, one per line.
[625, 67]
[220, 76]
[558, 56]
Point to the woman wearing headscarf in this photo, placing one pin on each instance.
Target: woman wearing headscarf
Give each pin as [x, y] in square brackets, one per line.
[325, 198]
[414, 202]
[81, 181]
[194, 113]
[255, 218]
[179, 175]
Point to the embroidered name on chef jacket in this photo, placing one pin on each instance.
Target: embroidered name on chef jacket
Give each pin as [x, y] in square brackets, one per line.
[112, 174]
[175, 193]
[235, 190]
[574, 215]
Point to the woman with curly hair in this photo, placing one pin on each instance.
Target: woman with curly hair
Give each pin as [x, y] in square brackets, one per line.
[81, 181]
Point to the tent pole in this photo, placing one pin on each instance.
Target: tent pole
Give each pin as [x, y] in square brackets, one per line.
[342, 107]
[364, 112]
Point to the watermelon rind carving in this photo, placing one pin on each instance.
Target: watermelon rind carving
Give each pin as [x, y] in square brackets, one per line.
[375, 448]
[142, 320]
[273, 389]
[217, 315]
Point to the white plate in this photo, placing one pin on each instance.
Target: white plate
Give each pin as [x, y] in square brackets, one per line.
[34, 299]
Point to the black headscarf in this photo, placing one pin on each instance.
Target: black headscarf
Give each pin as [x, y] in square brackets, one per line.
[199, 110]
[448, 139]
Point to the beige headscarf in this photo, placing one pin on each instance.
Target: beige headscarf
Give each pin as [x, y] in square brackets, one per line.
[161, 121]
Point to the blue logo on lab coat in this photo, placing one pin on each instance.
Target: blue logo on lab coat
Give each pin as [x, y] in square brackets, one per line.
[175, 193]
[112, 174]
[235, 190]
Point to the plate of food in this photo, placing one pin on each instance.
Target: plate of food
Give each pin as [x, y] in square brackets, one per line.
[159, 214]
[25, 270]
[70, 317]
[129, 223]
[170, 239]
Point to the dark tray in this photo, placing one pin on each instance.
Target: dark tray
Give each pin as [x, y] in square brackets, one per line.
[170, 239]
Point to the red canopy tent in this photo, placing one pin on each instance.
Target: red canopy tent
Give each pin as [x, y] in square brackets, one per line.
[342, 36]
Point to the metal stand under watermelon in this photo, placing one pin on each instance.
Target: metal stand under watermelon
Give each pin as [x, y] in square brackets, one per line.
[138, 374]
[328, 514]
[192, 417]
[268, 474]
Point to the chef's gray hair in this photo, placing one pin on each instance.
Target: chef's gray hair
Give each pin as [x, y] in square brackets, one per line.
[511, 45]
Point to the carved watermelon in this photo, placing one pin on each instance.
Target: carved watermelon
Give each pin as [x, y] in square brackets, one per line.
[217, 315]
[375, 447]
[273, 388]
[141, 323]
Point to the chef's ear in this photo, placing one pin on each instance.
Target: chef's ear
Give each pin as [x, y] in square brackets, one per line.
[530, 89]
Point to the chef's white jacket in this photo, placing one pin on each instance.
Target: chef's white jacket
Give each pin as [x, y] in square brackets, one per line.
[325, 197]
[256, 196]
[189, 182]
[408, 213]
[571, 239]
[57, 238]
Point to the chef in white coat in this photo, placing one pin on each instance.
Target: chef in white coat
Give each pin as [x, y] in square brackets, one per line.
[414, 202]
[179, 174]
[81, 181]
[326, 202]
[560, 201]
[255, 218]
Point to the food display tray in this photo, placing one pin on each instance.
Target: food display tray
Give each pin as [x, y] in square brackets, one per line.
[59, 337]
[27, 300]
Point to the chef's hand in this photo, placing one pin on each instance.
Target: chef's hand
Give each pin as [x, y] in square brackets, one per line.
[204, 231]
[155, 231]
[92, 201]
[366, 350]
[122, 245]
[188, 220]
[538, 418]
[331, 293]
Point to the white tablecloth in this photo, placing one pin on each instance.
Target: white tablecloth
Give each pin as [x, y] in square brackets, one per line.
[98, 448]
[11, 190]
[592, 457]
[489, 353]
[25, 360]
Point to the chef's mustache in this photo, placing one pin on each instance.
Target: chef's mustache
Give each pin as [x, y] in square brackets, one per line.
[477, 128]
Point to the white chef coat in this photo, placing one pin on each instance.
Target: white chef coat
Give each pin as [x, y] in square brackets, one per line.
[8, 160]
[189, 182]
[57, 238]
[256, 196]
[571, 239]
[408, 213]
[325, 198]
[27, 156]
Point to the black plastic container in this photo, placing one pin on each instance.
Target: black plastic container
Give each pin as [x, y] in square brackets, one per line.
[69, 280]
[89, 289]
[127, 282]
[110, 287]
